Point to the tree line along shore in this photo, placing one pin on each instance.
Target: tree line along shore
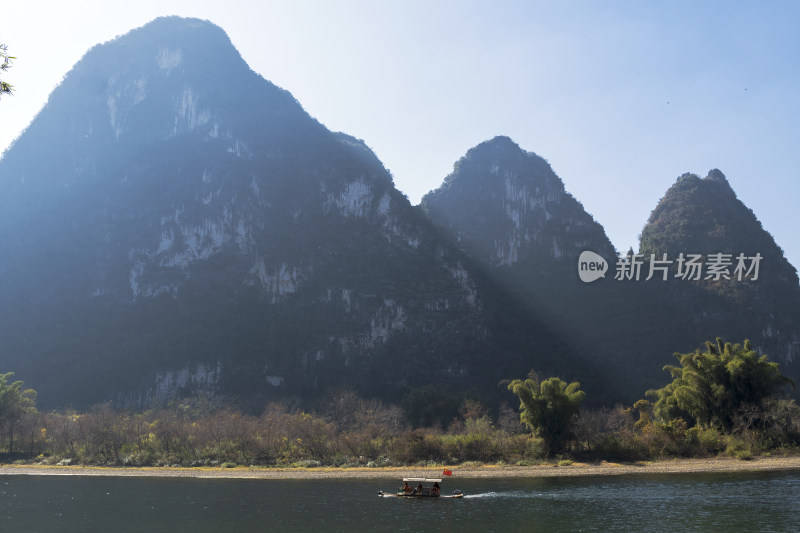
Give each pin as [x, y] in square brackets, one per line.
[726, 401]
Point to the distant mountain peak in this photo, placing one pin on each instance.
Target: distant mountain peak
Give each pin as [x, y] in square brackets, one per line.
[500, 141]
[687, 176]
[500, 146]
[714, 177]
[178, 21]
[506, 205]
[499, 160]
[717, 178]
[168, 80]
[171, 42]
[716, 174]
[705, 216]
[178, 28]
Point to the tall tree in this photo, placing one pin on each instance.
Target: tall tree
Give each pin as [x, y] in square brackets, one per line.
[15, 403]
[5, 63]
[711, 388]
[549, 408]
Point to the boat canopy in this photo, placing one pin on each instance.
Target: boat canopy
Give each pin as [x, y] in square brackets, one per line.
[423, 479]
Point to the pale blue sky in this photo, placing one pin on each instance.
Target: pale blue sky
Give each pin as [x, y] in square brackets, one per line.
[620, 97]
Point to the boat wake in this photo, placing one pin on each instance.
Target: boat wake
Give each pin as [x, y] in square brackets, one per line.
[514, 494]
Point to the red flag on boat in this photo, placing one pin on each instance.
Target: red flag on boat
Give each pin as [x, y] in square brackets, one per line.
[447, 472]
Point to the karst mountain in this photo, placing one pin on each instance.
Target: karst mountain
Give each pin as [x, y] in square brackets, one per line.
[172, 223]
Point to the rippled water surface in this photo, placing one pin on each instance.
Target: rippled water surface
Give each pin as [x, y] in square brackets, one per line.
[668, 503]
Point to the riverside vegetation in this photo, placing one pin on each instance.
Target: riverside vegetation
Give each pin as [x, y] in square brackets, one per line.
[725, 400]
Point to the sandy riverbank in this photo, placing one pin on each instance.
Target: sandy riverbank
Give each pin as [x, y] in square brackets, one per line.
[576, 469]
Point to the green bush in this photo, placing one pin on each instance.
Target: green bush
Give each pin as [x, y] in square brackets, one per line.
[418, 445]
[536, 449]
[470, 447]
[708, 441]
[624, 446]
[514, 447]
[307, 463]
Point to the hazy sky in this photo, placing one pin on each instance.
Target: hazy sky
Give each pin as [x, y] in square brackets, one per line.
[620, 97]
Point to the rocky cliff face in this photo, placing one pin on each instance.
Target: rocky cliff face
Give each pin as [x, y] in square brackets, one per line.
[171, 226]
[508, 208]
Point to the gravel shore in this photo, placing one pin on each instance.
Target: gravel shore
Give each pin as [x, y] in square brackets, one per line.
[675, 466]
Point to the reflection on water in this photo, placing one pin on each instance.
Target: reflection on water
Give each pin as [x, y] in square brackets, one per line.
[718, 502]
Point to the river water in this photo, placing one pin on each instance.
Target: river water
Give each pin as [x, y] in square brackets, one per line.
[740, 502]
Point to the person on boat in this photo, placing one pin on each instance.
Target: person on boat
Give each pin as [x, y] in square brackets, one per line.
[418, 490]
[435, 489]
[406, 487]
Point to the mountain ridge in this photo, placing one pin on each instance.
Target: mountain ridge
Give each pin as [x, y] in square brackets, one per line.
[171, 229]
[178, 240]
[609, 320]
[528, 195]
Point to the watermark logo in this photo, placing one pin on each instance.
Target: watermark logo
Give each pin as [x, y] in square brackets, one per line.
[693, 267]
[591, 267]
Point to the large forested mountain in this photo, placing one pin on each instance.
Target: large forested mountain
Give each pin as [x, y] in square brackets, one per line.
[172, 221]
[508, 209]
[704, 216]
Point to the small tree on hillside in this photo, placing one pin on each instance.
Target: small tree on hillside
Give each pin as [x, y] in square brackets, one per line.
[549, 408]
[712, 388]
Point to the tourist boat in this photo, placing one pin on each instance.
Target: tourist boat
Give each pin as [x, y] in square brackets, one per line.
[420, 487]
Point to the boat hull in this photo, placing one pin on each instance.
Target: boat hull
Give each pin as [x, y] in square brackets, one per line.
[383, 494]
